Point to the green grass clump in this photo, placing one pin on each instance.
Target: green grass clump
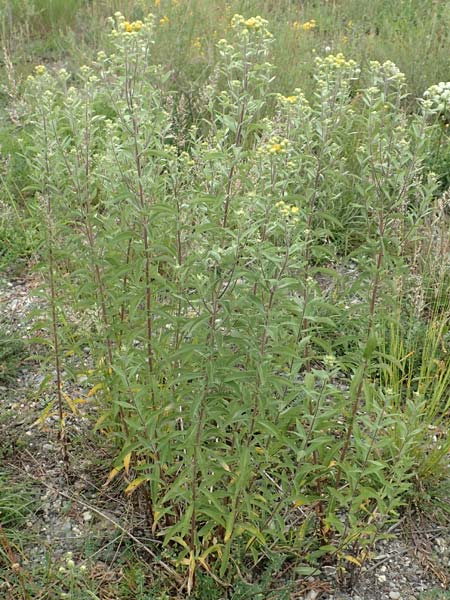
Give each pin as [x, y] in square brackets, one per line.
[12, 352]
[15, 504]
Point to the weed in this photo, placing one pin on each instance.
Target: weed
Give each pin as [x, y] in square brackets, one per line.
[200, 263]
[253, 249]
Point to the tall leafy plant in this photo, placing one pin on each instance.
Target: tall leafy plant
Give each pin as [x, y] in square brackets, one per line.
[232, 284]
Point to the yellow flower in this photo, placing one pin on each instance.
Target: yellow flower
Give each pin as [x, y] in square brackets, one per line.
[164, 20]
[157, 3]
[40, 70]
[309, 25]
[288, 211]
[137, 25]
[236, 21]
[257, 23]
[274, 146]
[252, 22]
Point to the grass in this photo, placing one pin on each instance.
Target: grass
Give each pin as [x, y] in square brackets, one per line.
[12, 352]
[16, 505]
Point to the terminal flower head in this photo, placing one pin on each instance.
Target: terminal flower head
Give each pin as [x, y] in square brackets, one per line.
[308, 25]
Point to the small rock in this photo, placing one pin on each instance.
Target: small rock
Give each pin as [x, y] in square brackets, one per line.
[394, 595]
[87, 516]
[381, 578]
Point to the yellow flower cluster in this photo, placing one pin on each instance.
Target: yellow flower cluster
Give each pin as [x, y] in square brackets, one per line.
[130, 27]
[294, 101]
[308, 25]
[126, 26]
[274, 146]
[164, 21]
[288, 210]
[251, 23]
[297, 98]
[257, 23]
[337, 61]
[40, 70]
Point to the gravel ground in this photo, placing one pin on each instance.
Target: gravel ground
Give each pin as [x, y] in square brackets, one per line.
[75, 512]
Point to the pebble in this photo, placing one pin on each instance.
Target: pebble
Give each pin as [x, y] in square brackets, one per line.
[394, 595]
